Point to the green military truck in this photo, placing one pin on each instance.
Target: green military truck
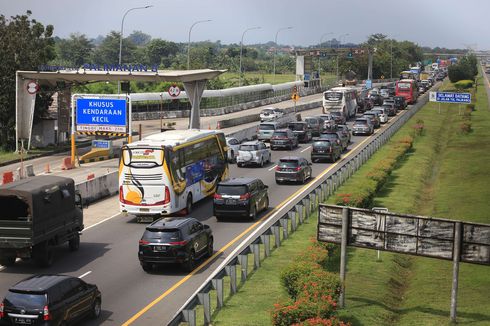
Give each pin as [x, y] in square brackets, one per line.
[37, 214]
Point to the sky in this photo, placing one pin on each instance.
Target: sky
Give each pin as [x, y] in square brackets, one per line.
[443, 23]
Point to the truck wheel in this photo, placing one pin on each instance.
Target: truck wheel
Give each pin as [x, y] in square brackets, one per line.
[44, 254]
[74, 243]
[7, 261]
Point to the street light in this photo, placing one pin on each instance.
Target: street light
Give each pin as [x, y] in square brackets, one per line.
[275, 51]
[321, 40]
[241, 51]
[189, 41]
[121, 38]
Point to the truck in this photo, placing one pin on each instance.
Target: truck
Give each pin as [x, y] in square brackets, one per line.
[39, 213]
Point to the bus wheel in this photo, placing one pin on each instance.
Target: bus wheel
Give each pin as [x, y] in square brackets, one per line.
[188, 204]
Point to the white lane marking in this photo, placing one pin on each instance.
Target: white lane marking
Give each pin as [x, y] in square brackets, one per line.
[106, 219]
[85, 274]
[307, 148]
[272, 168]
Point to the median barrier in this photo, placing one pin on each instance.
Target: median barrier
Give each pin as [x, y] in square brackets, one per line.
[66, 164]
[98, 187]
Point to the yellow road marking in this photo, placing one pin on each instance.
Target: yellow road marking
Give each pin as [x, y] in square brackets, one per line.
[238, 237]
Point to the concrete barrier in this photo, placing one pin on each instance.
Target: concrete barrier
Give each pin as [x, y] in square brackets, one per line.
[99, 187]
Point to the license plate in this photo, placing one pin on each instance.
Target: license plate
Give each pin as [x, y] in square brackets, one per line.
[321, 151]
[144, 209]
[23, 321]
[230, 201]
[160, 248]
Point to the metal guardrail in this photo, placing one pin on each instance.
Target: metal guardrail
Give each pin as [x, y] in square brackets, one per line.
[282, 223]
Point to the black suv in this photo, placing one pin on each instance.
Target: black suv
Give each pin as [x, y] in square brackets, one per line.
[174, 240]
[325, 149]
[50, 300]
[302, 130]
[240, 197]
[337, 137]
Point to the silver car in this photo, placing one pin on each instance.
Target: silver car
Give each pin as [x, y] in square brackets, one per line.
[253, 153]
[363, 126]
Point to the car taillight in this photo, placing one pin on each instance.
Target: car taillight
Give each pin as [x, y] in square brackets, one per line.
[46, 314]
[245, 197]
[338, 141]
[143, 242]
[218, 196]
[298, 168]
[1, 310]
[278, 168]
[167, 196]
[178, 243]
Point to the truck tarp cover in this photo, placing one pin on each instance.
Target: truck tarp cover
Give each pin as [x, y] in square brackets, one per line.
[36, 198]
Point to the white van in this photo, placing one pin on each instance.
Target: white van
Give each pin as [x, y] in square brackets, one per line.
[341, 99]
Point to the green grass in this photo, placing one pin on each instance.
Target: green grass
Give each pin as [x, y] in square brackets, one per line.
[11, 156]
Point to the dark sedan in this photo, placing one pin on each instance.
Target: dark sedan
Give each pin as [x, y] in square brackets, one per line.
[293, 168]
[302, 130]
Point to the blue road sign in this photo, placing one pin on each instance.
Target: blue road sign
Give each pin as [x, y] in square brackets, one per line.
[105, 144]
[369, 84]
[448, 97]
[101, 114]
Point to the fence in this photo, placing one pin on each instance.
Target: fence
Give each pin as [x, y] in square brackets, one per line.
[281, 223]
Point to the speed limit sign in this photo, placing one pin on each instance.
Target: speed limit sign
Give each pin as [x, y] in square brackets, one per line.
[174, 91]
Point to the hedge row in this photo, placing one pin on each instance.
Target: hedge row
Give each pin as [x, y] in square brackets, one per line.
[312, 290]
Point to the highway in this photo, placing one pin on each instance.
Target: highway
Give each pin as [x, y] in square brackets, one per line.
[108, 252]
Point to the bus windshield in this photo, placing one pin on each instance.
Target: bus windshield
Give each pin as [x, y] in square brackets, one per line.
[142, 157]
[333, 96]
[404, 86]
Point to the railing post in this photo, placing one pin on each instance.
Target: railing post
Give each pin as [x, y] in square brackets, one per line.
[231, 272]
[276, 230]
[284, 224]
[265, 239]
[306, 203]
[189, 316]
[256, 251]
[292, 217]
[456, 258]
[204, 299]
[218, 286]
[243, 261]
[343, 254]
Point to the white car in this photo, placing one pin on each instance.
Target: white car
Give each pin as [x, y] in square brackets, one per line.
[233, 145]
[253, 153]
[383, 114]
[270, 114]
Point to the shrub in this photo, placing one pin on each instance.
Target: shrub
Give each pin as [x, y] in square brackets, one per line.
[319, 283]
[293, 274]
[463, 84]
[465, 127]
[332, 321]
[291, 313]
[406, 140]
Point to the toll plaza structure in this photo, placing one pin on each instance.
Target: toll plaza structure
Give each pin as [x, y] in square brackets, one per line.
[28, 84]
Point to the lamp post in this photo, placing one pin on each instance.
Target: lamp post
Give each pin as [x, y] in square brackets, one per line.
[121, 38]
[275, 51]
[189, 41]
[241, 51]
[321, 40]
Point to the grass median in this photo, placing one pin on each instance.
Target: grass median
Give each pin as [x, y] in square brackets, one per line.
[445, 174]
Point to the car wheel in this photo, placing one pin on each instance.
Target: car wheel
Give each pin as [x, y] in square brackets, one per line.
[7, 261]
[278, 182]
[210, 249]
[303, 178]
[253, 213]
[219, 219]
[96, 309]
[261, 164]
[74, 244]
[232, 159]
[44, 254]
[188, 204]
[239, 165]
[190, 263]
[266, 204]
[147, 267]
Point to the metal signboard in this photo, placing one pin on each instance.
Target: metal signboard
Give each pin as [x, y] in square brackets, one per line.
[449, 97]
[409, 234]
[102, 144]
[101, 115]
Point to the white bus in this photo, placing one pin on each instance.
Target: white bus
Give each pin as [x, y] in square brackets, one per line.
[341, 99]
[167, 172]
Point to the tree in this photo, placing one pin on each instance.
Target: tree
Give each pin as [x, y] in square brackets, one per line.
[139, 38]
[74, 51]
[108, 50]
[159, 51]
[25, 44]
